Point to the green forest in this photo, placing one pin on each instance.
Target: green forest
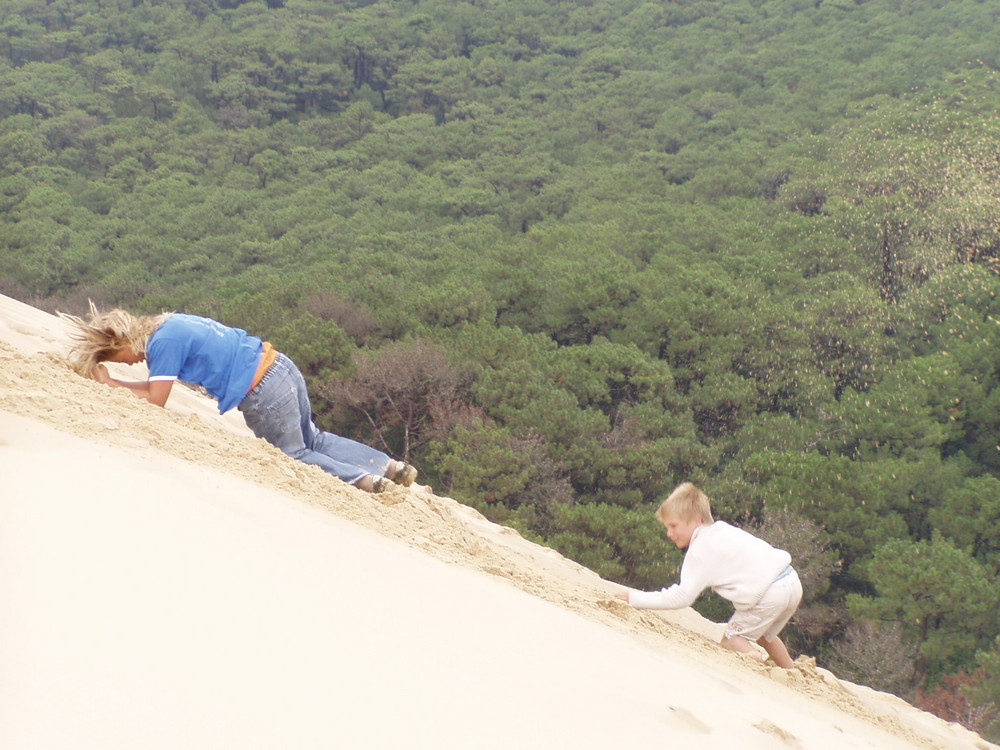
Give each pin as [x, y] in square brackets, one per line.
[565, 254]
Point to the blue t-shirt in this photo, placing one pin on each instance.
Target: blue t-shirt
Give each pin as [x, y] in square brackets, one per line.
[203, 351]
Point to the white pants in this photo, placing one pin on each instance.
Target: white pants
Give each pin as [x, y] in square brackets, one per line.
[771, 613]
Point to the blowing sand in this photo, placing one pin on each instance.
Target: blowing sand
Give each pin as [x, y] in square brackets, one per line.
[168, 581]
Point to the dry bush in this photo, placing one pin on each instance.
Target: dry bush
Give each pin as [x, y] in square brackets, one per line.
[950, 701]
[406, 393]
[876, 654]
[354, 319]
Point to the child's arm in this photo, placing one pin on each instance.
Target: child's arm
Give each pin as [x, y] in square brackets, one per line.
[678, 596]
[662, 599]
[675, 597]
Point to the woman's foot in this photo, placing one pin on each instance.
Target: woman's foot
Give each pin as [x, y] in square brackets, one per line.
[371, 483]
[404, 474]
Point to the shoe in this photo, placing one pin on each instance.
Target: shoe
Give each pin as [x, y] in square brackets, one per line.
[405, 474]
[380, 484]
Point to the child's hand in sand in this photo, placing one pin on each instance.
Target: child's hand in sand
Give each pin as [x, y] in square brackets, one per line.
[101, 375]
[623, 595]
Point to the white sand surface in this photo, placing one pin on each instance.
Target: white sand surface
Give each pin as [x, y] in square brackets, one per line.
[168, 581]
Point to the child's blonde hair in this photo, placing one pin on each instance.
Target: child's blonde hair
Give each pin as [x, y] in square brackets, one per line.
[684, 503]
[105, 334]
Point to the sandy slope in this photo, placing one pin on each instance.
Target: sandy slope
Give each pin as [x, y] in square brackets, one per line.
[168, 581]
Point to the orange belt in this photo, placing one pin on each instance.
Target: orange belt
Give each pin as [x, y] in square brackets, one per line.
[267, 358]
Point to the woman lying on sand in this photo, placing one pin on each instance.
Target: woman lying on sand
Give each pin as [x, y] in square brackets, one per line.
[236, 369]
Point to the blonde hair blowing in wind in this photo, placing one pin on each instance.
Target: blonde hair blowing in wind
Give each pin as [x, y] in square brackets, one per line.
[105, 334]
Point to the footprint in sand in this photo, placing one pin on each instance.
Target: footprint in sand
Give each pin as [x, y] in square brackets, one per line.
[681, 718]
[787, 738]
[729, 687]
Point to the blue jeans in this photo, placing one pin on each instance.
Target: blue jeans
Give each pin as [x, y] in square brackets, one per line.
[277, 409]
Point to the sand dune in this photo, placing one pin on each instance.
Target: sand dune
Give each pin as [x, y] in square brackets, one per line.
[168, 581]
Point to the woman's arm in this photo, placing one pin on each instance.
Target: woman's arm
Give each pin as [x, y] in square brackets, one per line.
[155, 392]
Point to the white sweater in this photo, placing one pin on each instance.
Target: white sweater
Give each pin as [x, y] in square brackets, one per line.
[736, 564]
